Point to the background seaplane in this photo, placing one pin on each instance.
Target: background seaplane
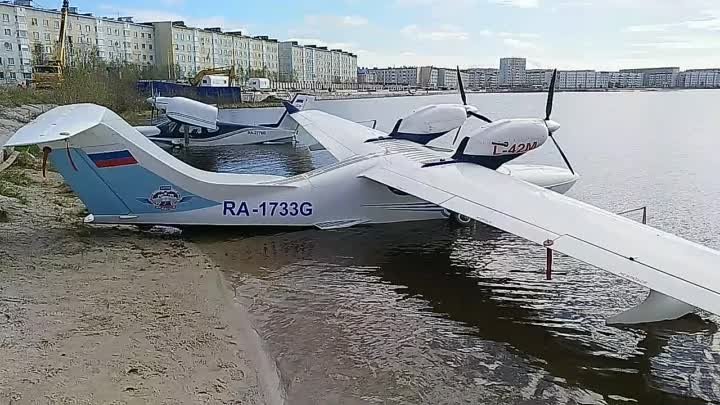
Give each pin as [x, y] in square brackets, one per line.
[192, 123]
[124, 178]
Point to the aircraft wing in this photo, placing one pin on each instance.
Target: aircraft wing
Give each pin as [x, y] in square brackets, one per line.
[663, 262]
[342, 138]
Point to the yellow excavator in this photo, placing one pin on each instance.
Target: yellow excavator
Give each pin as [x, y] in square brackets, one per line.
[228, 71]
[50, 75]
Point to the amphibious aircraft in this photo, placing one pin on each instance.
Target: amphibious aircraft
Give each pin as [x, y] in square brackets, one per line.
[192, 123]
[124, 178]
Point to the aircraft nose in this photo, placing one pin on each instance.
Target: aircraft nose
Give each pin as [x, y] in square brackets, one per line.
[552, 126]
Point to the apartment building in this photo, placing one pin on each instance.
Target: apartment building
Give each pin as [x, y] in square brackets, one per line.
[663, 77]
[481, 78]
[405, 76]
[699, 78]
[512, 72]
[29, 36]
[15, 54]
[184, 51]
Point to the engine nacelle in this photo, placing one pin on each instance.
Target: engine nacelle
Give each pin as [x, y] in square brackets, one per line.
[501, 141]
[430, 122]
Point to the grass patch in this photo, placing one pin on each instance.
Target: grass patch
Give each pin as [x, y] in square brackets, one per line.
[15, 177]
[32, 150]
[26, 160]
[91, 80]
[11, 191]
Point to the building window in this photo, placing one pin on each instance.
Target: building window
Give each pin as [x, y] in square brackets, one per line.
[143, 46]
[12, 75]
[33, 21]
[87, 28]
[57, 24]
[151, 57]
[7, 31]
[8, 46]
[2, 75]
[116, 32]
[11, 61]
[6, 17]
[46, 23]
[109, 30]
[142, 35]
[136, 46]
[144, 57]
[47, 36]
[36, 35]
[149, 36]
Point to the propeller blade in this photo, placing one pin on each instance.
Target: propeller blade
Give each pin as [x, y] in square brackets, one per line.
[567, 162]
[456, 134]
[551, 95]
[461, 87]
[479, 116]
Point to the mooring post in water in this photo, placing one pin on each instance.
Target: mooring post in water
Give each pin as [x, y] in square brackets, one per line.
[548, 258]
[548, 269]
[187, 135]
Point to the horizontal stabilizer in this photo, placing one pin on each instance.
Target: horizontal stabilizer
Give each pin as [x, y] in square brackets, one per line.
[58, 124]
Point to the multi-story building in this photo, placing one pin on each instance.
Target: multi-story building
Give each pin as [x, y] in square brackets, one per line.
[315, 64]
[481, 78]
[405, 76]
[699, 78]
[15, 54]
[512, 72]
[187, 50]
[624, 80]
[30, 34]
[428, 77]
[657, 77]
[447, 78]
[538, 77]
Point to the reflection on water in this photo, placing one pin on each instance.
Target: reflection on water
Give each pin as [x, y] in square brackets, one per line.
[428, 313]
[423, 312]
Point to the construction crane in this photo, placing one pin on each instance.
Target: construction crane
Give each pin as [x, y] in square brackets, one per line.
[228, 71]
[50, 75]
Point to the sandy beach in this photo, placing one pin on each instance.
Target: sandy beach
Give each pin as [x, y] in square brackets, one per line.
[113, 315]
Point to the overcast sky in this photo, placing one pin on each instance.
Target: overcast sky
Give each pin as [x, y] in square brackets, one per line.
[568, 34]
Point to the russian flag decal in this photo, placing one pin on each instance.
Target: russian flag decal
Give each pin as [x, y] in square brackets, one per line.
[113, 159]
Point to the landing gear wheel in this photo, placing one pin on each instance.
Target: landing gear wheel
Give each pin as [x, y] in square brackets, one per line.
[462, 220]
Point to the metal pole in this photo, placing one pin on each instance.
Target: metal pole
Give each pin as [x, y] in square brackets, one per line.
[187, 135]
[548, 269]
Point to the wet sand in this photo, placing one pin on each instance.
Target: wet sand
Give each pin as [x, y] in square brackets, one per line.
[92, 314]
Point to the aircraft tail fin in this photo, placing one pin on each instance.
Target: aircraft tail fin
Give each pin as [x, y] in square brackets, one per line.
[114, 169]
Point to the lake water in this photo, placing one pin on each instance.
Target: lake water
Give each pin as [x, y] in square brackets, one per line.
[429, 313]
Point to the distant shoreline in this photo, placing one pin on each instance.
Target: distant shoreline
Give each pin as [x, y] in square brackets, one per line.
[383, 94]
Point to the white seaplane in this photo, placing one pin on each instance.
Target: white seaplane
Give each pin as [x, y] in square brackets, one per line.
[124, 178]
[192, 123]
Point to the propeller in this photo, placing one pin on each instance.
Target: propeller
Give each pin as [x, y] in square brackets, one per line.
[551, 125]
[470, 113]
[463, 96]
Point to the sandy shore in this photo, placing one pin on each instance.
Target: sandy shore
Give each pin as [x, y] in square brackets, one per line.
[112, 315]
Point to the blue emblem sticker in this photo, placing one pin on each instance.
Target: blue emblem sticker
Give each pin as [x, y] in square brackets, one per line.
[166, 198]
